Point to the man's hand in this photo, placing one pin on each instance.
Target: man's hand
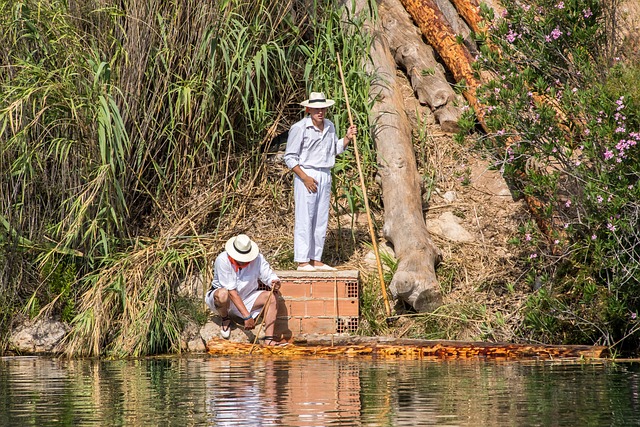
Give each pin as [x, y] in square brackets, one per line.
[351, 133]
[275, 285]
[310, 183]
[250, 323]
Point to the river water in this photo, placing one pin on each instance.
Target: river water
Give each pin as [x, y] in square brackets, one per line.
[261, 391]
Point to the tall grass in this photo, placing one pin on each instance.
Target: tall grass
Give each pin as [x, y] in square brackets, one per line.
[127, 129]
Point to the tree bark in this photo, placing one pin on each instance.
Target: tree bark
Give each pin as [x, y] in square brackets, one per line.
[439, 34]
[426, 74]
[470, 12]
[415, 280]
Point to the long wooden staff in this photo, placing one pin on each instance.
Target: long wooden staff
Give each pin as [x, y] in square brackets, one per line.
[263, 312]
[366, 199]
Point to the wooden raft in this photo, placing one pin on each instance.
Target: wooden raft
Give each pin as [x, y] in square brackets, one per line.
[390, 348]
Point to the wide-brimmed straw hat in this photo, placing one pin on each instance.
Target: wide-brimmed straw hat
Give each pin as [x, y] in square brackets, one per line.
[242, 248]
[317, 100]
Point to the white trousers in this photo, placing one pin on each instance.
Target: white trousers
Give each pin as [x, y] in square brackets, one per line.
[312, 215]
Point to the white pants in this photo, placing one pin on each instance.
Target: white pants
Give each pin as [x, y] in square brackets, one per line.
[209, 299]
[312, 215]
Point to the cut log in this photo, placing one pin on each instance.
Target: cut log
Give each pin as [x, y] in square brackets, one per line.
[458, 24]
[470, 12]
[439, 34]
[415, 280]
[426, 75]
[390, 348]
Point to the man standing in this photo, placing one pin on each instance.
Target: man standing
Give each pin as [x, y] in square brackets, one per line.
[312, 147]
[234, 288]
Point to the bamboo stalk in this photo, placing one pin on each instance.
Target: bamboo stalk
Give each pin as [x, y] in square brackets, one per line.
[366, 200]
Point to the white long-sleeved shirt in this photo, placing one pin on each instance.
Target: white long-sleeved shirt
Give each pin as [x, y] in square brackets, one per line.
[245, 280]
[311, 147]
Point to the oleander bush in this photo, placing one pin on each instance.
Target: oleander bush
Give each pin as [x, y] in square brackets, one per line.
[562, 105]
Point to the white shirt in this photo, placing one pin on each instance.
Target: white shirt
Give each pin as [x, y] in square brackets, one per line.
[311, 147]
[245, 281]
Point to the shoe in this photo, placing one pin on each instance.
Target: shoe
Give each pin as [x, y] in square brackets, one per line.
[325, 267]
[307, 267]
[225, 330]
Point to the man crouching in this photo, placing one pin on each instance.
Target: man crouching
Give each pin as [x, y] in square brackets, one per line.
[234, 289]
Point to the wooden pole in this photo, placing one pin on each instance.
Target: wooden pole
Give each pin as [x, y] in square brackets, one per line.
[263, 312]
[374, 241]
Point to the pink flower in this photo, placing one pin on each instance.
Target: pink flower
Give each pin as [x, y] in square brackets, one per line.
[593, 237]
[560, 5]
[568, 203]
[527, 237]
[556, 33]
[587, 13]
[608, 154]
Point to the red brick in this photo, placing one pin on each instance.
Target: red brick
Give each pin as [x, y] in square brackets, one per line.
[283, 310]
[348, 307]
[295, 290]
[296, 307]
[315, 308]
[287, 326]
[325, 289]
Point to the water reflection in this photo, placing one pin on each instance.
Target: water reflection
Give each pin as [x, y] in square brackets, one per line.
[259, 391]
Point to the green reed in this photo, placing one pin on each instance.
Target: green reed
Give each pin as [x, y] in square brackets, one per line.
[124, 125]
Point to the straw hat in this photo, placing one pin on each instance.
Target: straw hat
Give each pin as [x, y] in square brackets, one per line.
[242, 248]
[317, 100]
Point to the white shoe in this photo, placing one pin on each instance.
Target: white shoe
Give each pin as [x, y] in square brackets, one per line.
[325, 267]
[225, 332]
[307, 267]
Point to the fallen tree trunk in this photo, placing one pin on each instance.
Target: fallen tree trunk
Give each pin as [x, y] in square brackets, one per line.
[425, 73]
[350, 346]
[415, 280]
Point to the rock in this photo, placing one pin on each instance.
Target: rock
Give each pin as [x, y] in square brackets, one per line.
[450, 196]
[383, 249]
[190, 339]
[191, 287]
[211, 329]
[42, 336]
[448, 226]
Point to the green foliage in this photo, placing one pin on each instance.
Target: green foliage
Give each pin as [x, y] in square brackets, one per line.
[60, 277]
[563, 109]
[127, 129]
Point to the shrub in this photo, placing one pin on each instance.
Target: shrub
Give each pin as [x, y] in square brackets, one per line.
[562, 106]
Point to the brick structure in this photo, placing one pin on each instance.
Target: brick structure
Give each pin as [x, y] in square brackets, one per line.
[318, 302]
